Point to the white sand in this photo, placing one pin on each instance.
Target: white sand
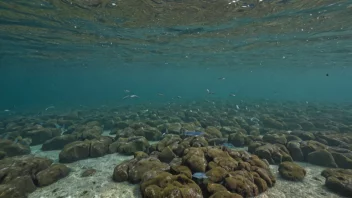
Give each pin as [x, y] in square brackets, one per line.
[100, 185]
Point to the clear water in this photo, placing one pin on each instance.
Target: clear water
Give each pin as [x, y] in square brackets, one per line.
[83, 54]
[68, 53]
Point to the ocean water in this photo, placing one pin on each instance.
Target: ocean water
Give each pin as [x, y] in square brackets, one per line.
[184, 55]
[69, 53]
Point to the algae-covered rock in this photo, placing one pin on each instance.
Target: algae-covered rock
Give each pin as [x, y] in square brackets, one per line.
[241, 185]
[225, 194]
[237, 139]
[293, 138]
[58, 142]
[168, 140]
[266, 175]
[167, 155]
[216, 174]
[304, 135]
[74, 151]
[291, 171]
[136, 170]
[213, 132]
[272, 123]
[181, 170]
[130, 145]
[322, 158]
[52, 174]
[275, 138]
[99, 147]
[18, 187]
[199, 141]
[295, 150]
[310, 146]
[229, 173]
[342, 161]
[339, 181]
[174, 128]
[10, 148]
[212, 188]
[194, 158]
[228, 163]
[166, 185]
[13, 167]
[121, 171]
[273, 153]
[150, 133]
[139, 155]
[40, 135]
[307, 125]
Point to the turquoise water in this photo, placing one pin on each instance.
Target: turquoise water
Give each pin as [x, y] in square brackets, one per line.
[98, 98]
[68, 53]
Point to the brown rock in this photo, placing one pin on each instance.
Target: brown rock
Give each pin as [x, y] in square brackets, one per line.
[52, 174]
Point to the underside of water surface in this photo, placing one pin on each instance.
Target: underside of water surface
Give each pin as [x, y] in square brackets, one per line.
[175, 98]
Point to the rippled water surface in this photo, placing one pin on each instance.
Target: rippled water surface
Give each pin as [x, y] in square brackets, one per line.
[264, 48]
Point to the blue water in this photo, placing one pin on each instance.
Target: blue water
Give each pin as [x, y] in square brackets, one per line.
[50, 59]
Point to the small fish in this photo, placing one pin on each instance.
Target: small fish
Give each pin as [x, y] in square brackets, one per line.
[237, 107]
[193, 133]
[254, 119]
[160, 94]
[125, 97]
[233, 95]
[57, 126]
[130, 96]
[50, 107]
[145, 111]
[199, 175]
[6, 110]
[127, 91]
[209, 92]
[221, 78]
[228, 145]
[179, 97]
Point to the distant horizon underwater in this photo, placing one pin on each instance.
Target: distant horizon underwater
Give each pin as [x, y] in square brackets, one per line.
[186, 98]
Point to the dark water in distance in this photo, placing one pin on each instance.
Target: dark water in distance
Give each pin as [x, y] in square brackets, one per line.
[87, 52]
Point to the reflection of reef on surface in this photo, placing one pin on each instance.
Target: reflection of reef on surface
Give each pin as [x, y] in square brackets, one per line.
[114, 25]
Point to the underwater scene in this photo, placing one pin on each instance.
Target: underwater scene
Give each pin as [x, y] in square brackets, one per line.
[175, 98]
